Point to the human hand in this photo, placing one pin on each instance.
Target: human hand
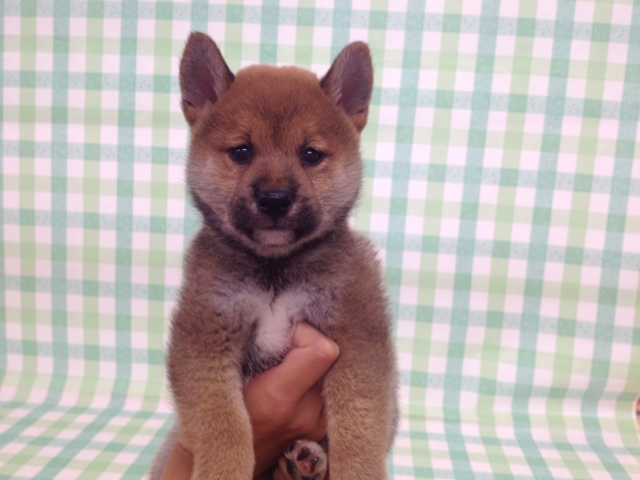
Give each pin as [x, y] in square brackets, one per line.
[284, 403]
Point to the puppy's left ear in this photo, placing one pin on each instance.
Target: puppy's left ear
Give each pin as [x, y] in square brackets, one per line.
[349, 82]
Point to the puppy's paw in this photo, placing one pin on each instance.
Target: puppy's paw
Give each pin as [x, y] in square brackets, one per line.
[303, 460]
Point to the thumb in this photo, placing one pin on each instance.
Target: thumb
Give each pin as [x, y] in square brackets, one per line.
[310, 358]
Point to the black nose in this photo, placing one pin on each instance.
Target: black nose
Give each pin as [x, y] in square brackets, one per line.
[275, 203]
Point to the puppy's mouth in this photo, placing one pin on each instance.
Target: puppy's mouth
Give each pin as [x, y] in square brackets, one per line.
[274, 232]
[274, 237]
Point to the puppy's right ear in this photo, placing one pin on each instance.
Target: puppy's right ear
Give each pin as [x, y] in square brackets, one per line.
[204, 75]
[349, 82]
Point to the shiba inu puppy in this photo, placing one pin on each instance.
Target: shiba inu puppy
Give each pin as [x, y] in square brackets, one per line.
[274, 168]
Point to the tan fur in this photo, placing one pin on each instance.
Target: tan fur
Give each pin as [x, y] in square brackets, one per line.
[245, 267]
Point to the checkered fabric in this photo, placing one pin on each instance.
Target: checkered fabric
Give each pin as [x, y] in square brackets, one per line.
[502, 188]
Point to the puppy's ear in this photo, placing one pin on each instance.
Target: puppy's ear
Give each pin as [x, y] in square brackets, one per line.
[204, 75]
[349, 82]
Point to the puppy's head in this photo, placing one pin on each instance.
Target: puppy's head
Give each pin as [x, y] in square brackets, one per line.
[274, 160]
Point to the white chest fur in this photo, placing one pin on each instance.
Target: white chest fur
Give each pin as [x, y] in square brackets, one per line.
[272, 315]
[275, 320]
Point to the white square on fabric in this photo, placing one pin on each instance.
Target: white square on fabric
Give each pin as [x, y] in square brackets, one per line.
[379, 222]
[479, 301]
[395, 5]
[146, 29]
[613, 91]
[411, 261]
[417, 189]
[464, 81]
[382, 187]
[622, 13]
[322, 36]
[468, 42]
[547, 10]
[509, 9]
[432, 42]
[287, 34]
[482, 266]
[414, 225]
[513, 304]
[534, 123]
[409, 295]
[434, 6]
[501, 84]
[584, 11]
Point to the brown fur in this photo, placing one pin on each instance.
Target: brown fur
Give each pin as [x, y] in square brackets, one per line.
[246, 268]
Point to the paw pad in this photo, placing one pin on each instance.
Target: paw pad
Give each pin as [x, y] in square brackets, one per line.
[304, 460]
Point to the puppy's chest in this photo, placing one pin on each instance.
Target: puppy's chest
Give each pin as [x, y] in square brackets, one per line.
[275, 319]
[273, 316]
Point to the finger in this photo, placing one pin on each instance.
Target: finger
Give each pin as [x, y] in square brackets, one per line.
[180, 464]
[305, 335]
[312, 356]
[310, 418]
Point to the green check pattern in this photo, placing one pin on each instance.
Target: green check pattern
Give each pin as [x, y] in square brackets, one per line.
[502, 188]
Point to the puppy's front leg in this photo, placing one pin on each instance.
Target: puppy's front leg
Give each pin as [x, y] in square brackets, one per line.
[204, 371]
[361, 411]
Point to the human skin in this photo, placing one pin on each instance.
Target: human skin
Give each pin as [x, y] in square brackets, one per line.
[284, 403]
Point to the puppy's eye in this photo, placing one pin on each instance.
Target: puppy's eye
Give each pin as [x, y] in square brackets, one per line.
[241, 155]
[312, 157]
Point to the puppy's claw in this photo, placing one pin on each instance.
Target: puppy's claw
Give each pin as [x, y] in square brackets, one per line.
[303, 460]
